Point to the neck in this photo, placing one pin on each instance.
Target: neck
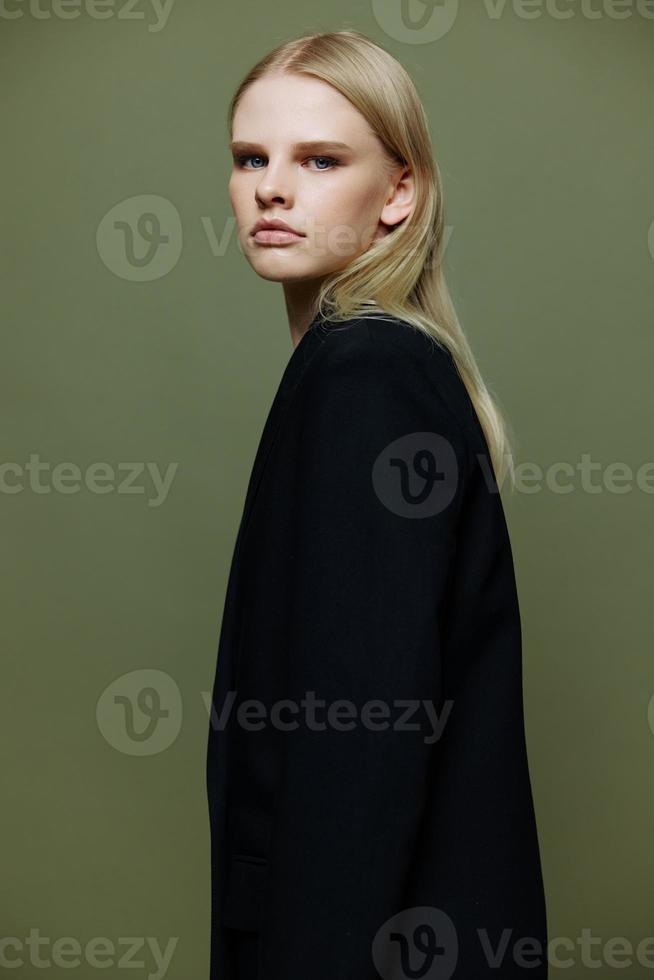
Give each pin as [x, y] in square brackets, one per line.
[300, 299]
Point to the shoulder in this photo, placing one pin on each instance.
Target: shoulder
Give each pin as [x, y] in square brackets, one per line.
[378, 342]
[381, 379]
[385, 362]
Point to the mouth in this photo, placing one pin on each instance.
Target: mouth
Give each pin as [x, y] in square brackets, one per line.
[276, 236]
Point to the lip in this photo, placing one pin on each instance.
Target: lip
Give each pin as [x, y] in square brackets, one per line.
[275, 232]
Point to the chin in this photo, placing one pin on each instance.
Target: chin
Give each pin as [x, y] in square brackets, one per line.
[287, 269]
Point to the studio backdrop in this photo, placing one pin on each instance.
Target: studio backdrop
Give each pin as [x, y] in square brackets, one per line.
[140, 357]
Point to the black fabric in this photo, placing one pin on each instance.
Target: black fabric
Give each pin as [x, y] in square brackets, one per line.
[246, 947]
[373, 563]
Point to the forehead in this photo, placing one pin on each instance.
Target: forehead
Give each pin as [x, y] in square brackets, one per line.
[298, 107]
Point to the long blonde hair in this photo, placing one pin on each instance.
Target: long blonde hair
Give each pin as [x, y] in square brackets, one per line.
[400, 274]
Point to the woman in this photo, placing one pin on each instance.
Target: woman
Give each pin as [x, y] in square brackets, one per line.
[369, 794]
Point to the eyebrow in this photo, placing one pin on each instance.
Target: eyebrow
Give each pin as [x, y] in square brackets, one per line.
[307, 146]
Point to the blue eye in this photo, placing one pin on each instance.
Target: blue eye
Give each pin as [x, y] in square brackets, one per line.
[252, 156]
[243, 158]
[330, 160]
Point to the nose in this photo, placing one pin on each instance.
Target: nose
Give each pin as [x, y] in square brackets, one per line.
[275, 185]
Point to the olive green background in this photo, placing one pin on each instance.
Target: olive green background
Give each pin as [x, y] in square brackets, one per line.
[542, 126]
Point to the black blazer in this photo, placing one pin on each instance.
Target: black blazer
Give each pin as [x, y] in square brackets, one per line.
[351, 840]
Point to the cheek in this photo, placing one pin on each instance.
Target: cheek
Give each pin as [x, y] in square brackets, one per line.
[351, 204]
[235, 190]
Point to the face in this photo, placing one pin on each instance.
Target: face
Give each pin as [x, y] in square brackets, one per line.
[303, 154]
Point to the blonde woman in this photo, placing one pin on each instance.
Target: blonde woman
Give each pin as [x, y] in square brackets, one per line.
[370, 803]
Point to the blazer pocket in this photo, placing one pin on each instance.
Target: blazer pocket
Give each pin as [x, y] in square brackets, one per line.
[243, 902]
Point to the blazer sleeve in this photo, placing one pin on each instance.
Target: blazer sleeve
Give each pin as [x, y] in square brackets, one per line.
[378, 483]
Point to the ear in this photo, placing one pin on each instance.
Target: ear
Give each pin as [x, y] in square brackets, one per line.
[400, 200]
